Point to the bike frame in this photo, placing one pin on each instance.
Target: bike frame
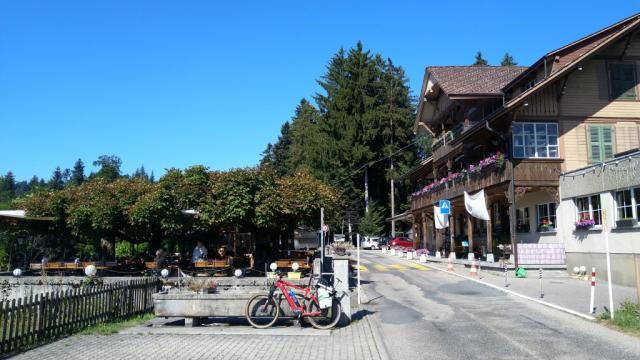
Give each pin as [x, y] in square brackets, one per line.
[284, 287]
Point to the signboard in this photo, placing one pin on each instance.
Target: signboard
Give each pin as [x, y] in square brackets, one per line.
[445, 207]
[325, 228]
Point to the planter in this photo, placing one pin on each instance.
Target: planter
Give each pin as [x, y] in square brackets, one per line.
[409, 255]
[340, 251]
[400, 253]
[384, 250]
[392, 252]
[423, 258]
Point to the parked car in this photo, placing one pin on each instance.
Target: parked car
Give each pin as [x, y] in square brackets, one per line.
[370, 242]
[401, 241]
[384, 241]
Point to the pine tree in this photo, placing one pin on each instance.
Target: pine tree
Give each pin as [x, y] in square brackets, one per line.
[140, 173]
[507, 60]
[77, 174]
[109, 167]
[34, 183]
[480, 61]
[152, 178]
[276, 156]
[66, 176]
[57, 181]
[7, 187]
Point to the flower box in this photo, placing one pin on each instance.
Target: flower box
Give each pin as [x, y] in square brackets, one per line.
[585, 224]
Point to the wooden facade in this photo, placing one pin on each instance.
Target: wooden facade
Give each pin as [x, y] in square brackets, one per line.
[570, 87]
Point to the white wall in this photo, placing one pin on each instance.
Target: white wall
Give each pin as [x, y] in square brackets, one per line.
[625, 241]
[530, 200]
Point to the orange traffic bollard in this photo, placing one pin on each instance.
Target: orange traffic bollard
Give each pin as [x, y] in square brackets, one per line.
[474, 270]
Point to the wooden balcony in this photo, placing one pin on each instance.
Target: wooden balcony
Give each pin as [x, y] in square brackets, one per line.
[537, 172]
[487, 178]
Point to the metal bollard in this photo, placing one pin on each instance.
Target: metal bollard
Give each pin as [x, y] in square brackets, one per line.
[592, 308]
[506, 283]
[540, 276]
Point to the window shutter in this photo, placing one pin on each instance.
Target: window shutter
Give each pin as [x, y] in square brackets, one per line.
[607, 142]
[594, 144]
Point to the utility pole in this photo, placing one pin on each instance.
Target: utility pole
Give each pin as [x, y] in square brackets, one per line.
[366, 189]
[393, 208]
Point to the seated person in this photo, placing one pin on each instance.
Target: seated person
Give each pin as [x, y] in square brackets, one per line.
[199, 252]
[160, 259]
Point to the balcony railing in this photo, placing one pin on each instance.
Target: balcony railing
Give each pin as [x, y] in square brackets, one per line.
[488, 172]
[441, 145]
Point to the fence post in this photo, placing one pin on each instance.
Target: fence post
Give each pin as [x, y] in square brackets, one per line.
[5, 313]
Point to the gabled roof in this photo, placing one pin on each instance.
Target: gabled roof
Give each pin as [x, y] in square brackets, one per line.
[474, 80]
[566, 55]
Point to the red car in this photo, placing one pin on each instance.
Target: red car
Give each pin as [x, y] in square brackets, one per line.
[401, 241]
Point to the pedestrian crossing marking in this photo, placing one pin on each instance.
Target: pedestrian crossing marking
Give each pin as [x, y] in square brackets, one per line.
[380, 267]
[418, 266]
[363, 268]
[398, 267]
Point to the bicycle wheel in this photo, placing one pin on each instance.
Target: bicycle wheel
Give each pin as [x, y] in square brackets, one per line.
[262, 311]
[328, 317]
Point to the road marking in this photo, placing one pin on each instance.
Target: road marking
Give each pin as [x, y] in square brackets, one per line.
[399, 267]
[363, 268]
[419, 267]
[380, 267]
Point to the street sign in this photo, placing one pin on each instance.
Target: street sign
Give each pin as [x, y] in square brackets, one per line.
[445, 207]
[325, 228]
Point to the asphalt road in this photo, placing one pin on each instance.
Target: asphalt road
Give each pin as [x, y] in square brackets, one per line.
[427, 314]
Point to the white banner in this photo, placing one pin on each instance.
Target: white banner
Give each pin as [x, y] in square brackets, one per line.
[442, 221]
[476, 205]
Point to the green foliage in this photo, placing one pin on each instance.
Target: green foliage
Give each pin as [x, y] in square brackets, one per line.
[123, 249]
[57, 180]
[507, 60]
[77, 174]
[129, 216]
[109, 167]
[113, 327]
[479, 60]
[372, 223]
[364, 113]
[7, 187]
[627, 316]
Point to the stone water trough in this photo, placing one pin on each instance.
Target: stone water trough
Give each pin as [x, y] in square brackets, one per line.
[228, 301]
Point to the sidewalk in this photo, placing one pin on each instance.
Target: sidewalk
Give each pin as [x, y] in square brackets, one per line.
[354, 342]
[558, 288]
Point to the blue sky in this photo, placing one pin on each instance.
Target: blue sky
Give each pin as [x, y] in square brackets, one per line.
[178, 83]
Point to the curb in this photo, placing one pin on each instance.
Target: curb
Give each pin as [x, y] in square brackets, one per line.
[374, 327]
[507, 291]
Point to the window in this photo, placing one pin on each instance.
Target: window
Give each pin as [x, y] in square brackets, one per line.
[600, 143]
[622, 81]
[522, 220]
[546, 217]
[535, 140]
[588, 208]
[628, 204]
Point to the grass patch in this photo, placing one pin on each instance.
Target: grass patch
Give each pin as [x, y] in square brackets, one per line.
[627, 318]
[113, 327]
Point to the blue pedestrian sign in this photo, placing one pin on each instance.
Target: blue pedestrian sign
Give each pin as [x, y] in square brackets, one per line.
[445, 207]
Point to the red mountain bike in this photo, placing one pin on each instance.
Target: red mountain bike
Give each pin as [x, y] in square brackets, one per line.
[320, 308]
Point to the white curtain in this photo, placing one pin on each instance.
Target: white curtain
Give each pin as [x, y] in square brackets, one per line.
[476, 205]
[442, 221]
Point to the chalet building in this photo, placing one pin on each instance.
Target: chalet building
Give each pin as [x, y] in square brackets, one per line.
[512, 131]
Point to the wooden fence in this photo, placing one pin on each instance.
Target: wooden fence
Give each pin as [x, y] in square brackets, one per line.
[44, 317]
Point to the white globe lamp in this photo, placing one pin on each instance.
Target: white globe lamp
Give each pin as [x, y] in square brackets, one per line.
[576, 270]
[583, 269]
[164, 273]
[273, 266]
[295, 266]
[90, 270]
[237, 273]
[17, 272]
